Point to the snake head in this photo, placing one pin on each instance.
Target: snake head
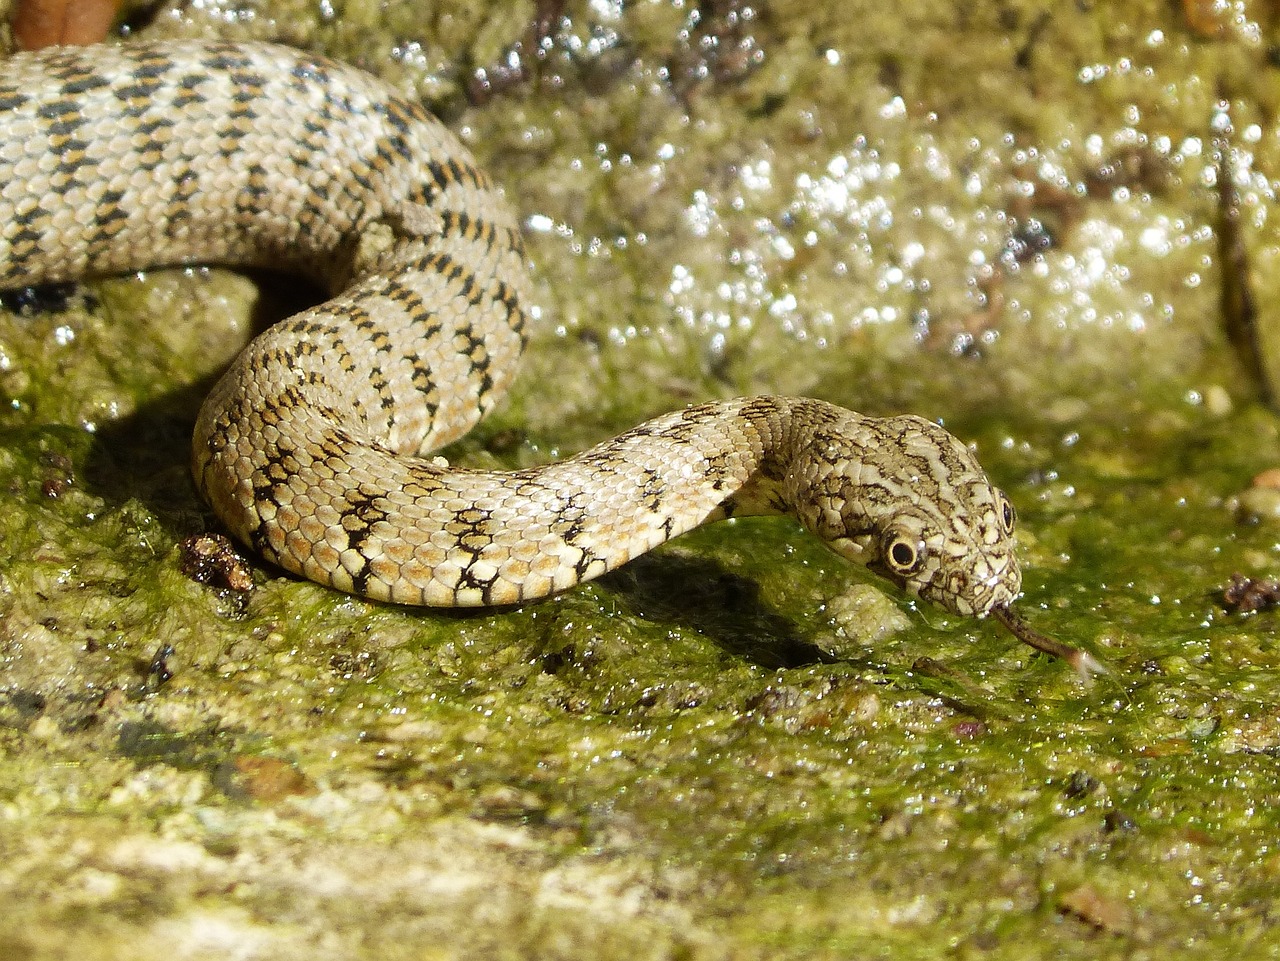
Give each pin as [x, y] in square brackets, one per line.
[907, 499]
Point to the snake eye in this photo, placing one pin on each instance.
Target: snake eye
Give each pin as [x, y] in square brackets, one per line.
[903, 553]
[1008, 516]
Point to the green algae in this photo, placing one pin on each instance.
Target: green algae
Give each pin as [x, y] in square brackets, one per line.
[737, 746]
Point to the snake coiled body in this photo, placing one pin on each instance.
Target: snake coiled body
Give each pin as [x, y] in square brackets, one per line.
[311, 447]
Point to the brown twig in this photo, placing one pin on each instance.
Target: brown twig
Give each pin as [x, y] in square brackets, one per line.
[1239, 307]
[1084, 663]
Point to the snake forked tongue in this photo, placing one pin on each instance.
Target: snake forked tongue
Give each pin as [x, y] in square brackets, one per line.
[1084, 663]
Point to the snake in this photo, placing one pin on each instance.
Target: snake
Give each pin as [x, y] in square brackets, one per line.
[314, 448]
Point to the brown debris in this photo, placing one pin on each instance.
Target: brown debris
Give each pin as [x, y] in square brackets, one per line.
[1206, 18]
[1269, 479]
[49, 23]
[516, 65]
[59, 475]
[1096, 909]
[1246, 595]
[213, 559]
[269, 780]
[1138, 167]
[718, 43]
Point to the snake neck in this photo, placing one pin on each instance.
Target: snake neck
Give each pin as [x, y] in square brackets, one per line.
[796, 438]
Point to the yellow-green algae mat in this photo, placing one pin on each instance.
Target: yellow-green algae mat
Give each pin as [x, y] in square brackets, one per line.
[1005, 216]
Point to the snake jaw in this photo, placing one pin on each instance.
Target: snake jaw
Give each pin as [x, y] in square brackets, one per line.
[855, 549]
[863, 550]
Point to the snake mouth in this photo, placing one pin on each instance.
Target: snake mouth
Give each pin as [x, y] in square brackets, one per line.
[855, 548]
[1084, 663]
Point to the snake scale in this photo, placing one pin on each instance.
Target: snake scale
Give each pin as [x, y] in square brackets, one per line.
[311, 448]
